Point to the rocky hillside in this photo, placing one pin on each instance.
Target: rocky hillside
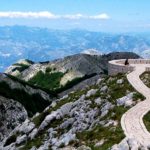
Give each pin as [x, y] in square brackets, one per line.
[18, 101]
[85, 119]
[12, 113]
[87, 103]
[62, 74]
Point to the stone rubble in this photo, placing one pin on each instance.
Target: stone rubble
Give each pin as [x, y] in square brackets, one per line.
[126, 100]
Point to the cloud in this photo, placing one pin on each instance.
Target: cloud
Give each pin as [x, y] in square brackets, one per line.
[101, 16]
[17, 14]
[49, 15]
[5, 54]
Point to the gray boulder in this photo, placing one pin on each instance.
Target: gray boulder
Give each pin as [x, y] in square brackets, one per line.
[67, 123]
[98, 101]
[33, 133]
[83, 147]
[120, 81]
[65, 139]
[126, 100]
[21, 139]
[91, 92]
[105, 109]
[104, 88]
[27, 126]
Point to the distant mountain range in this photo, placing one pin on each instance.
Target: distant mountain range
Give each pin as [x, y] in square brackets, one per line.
[41, 44]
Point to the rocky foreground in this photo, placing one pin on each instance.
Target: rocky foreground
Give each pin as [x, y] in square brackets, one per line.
[18, 101]
[85, 119]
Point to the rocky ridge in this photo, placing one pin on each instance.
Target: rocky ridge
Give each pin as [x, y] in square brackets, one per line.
[89, 118]
[70, 68]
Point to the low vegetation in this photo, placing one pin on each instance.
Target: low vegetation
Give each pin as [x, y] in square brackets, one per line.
[50, 80]
[110, 135]
[47, 80]
[145, 77]
[146, 120]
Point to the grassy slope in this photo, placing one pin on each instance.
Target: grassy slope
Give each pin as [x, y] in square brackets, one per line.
[51, 80]
[146, 120]
[47, 80]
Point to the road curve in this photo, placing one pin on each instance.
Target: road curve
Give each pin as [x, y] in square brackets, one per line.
[132, 120]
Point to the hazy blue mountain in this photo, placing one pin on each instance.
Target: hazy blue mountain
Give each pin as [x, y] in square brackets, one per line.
[41, 44]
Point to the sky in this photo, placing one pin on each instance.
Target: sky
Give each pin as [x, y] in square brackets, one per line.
[93, 15]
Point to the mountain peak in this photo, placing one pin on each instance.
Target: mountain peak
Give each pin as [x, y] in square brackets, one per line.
[91, 52]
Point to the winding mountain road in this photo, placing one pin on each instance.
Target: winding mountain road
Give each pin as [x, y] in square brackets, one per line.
[132, 120]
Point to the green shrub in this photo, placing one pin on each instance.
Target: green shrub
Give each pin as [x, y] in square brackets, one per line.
[98, 133]
[38, 119]
[137, 96]
[146, 120]
[46, 80]
[48, 70]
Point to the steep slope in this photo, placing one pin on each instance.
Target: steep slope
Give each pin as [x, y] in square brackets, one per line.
[18, 101]
[63, 73]
[85, 119]
[32, 98]
[12, 113]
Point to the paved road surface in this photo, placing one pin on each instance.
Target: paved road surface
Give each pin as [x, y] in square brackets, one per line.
[132, 120]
